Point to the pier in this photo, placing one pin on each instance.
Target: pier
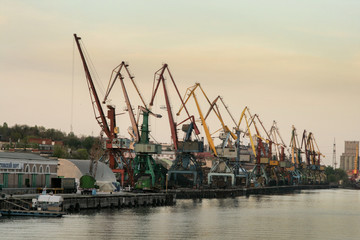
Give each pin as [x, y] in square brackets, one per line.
[77, 202]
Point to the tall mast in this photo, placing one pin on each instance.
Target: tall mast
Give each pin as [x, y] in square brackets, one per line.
[334, 163]
[103, 122]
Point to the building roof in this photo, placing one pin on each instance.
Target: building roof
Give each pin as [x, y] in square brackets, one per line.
[73, 168]
[22, 156]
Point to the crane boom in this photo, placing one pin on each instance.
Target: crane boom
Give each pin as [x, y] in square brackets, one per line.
[116, 74]
[243, 116]
[103, 124]
[207, 133]
[161, 78]
[214, 107]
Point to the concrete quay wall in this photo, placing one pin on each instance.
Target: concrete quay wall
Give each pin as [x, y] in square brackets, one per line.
[78, 202]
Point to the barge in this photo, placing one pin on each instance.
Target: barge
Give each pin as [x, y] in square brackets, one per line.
[43, 206]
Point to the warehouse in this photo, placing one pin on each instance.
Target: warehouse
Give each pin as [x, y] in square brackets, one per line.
[26, 170]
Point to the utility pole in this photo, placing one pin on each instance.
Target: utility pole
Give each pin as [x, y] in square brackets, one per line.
[334, 155]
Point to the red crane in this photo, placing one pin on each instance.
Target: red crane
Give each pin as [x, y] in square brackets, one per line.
[116, 74]
[161, 78]
[185, 162]
[116, 152]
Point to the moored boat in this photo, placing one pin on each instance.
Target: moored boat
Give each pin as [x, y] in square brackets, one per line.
[45, 205]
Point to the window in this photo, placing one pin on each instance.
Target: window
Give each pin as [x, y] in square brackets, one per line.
[34, 169]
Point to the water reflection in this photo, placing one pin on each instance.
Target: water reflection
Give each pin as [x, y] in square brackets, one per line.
[323, 214]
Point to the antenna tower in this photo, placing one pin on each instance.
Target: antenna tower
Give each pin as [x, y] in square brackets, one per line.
[334, 163]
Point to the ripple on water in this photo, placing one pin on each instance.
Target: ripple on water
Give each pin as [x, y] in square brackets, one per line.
[318, 214]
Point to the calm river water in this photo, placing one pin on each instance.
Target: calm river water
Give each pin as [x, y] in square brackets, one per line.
[315, 214]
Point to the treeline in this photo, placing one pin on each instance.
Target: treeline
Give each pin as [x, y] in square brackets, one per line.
[338, 176]
[73, 147]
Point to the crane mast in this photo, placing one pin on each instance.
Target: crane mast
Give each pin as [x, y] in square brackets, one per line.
[185, 161]
[191, 93]
[118, 162]
[314, 172]
[116, 74]
[103, 124]
[161, 79]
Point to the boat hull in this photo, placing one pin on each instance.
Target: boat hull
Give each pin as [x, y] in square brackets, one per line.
[30, 213]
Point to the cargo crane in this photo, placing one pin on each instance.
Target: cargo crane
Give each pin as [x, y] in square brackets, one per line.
[226, 135]
[116, 153]
[296, 159]
[229, 152]
[186, 162]
[148, 175]
[265, 171]
[285, 176]
[117, 75]
[355, 173]
[221, 168]
[315, 172]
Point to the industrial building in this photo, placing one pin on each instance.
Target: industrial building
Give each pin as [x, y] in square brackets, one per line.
[347, 159]
[26, 170]
[72, 168]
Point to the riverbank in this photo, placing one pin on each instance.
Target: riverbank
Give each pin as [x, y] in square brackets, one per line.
[77, 202]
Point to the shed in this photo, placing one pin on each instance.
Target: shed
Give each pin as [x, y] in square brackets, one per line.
[73, 168]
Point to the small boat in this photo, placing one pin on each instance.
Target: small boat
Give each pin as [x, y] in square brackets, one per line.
[45, 205]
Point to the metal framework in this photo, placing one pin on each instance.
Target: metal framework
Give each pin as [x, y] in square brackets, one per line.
[119, 157]
[186, 161]
[117, 75]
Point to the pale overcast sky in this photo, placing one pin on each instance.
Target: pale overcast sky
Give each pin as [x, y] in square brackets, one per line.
[296, 62]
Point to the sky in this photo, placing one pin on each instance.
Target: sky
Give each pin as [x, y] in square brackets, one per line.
[296, 62]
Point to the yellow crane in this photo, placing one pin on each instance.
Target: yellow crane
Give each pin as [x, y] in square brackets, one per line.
[244, 116]
[190, 92]
[295, 148]
[355, 172]
[221, 169]
[215, 108]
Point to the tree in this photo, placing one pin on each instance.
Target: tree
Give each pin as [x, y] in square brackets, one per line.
[72, 141]
[60, 152]
[81, 153]
[88, 143]
[336, 175]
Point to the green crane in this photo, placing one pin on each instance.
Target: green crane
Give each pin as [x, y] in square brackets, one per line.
[148, 174]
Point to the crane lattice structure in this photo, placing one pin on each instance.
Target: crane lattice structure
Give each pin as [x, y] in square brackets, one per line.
[186, 162]
[116, 154]
[334, 163]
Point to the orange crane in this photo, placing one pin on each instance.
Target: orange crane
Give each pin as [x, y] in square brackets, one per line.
[355, 172]
[356, 168]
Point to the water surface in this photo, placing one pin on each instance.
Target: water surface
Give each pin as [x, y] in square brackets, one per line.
[311, 214]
